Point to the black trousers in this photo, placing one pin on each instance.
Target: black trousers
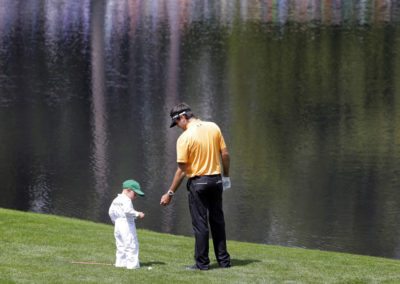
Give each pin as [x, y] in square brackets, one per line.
[205, 204]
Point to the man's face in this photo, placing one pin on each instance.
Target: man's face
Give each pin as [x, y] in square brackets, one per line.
[181, 122]
[179, 119]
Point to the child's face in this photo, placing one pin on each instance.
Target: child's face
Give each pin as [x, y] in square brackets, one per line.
[131, 194]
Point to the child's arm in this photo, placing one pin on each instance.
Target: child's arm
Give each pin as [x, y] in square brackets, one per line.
[112, 214]
[131, 213]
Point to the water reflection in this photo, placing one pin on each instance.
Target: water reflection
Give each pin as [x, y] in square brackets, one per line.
[305, 92]
[40, 192]
[99, 157]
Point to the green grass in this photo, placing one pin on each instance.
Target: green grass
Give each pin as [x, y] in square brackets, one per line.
[38, 248]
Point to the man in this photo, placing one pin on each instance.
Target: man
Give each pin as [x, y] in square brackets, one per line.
[200, 148]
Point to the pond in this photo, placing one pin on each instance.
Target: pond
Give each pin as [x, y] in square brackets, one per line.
[305, 92]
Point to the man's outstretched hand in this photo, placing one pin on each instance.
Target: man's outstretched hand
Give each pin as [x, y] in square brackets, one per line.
[165, 199]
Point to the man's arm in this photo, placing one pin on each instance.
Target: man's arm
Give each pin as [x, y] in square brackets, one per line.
[225, 161]
[176, 182]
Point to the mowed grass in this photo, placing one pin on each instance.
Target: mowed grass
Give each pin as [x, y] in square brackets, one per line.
[38, 248]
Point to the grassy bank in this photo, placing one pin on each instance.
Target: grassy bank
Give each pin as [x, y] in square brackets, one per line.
[37, 248]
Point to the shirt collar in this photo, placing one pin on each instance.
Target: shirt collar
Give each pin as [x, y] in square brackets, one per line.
[193, 122]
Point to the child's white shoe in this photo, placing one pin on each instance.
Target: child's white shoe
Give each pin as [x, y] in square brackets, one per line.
[120, 264]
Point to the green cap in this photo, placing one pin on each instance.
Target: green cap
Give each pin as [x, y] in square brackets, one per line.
[132, 185]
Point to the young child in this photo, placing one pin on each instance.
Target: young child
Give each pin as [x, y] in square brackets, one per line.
[123, 215]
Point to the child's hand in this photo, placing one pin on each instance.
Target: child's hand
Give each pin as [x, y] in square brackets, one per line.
[141, 215]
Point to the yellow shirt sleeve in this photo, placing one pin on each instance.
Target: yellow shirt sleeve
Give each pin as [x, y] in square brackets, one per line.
[222, 144]
[182, 149]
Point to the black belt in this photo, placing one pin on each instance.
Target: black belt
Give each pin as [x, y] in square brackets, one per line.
[196, 177]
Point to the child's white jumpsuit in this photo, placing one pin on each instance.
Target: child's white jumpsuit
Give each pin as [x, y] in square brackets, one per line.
[123, 215]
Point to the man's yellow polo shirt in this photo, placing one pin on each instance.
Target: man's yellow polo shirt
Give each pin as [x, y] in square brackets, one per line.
[199, 147]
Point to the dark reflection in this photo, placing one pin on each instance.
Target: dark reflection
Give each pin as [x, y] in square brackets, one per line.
[304, 91]
[99, 156]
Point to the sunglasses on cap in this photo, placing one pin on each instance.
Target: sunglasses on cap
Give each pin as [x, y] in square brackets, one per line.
[175, 118]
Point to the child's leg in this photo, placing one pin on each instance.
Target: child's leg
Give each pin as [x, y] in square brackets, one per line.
[120, 255]
[132, 249]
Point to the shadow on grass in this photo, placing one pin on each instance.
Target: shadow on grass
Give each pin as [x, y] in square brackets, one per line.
[243, 262]
[238, 262]
[150, 263]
